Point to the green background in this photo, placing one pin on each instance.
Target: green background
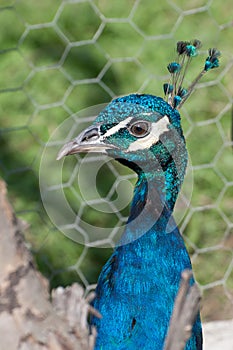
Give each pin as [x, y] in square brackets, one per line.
[59, 57]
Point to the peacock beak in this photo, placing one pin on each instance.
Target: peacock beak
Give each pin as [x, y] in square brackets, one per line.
[89, 140]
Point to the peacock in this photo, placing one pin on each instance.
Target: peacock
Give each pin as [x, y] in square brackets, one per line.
[137, 286]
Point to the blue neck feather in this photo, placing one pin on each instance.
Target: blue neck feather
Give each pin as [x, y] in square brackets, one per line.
[138, 285]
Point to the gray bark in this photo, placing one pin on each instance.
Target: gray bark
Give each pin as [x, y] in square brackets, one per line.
[28, 320]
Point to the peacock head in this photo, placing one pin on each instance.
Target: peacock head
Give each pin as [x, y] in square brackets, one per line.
[144, 131]
[135, 128]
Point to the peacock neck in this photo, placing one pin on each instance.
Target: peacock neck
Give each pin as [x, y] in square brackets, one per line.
[154, 198]
[159, 187]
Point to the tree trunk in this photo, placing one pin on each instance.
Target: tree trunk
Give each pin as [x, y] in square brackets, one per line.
[28, 320]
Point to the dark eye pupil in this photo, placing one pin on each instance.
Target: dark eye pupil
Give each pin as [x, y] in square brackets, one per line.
[139, 129]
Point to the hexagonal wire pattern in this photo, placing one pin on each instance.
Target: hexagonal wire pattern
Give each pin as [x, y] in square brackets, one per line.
[61, 58]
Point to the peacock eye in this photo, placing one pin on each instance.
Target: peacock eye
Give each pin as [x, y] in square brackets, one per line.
[139, 129]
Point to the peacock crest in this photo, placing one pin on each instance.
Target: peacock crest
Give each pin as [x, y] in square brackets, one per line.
[174, 91]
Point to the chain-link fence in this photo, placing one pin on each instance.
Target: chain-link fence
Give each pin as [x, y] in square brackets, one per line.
[58, 58]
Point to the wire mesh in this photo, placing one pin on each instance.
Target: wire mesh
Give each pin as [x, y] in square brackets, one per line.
[59, 58]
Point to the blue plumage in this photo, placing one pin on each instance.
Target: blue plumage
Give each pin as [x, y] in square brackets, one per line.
[138, 285]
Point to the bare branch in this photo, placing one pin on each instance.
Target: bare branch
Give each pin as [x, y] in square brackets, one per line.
[28, 320]
[185, 311]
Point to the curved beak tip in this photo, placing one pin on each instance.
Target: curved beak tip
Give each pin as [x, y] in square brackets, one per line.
[65, 150]
[60, 155]
[88, 141]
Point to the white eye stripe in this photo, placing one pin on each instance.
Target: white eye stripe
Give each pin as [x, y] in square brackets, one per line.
[117, 127]
[157, 129]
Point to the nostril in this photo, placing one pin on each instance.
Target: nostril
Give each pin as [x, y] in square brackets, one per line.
[90, 135]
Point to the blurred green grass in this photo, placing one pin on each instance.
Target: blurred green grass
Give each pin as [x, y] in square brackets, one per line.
[51, 61]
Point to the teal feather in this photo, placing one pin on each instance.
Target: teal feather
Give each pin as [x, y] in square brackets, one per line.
[137, 287]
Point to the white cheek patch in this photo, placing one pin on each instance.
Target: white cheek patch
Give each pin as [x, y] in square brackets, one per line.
[117, 127]
[157, 129]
